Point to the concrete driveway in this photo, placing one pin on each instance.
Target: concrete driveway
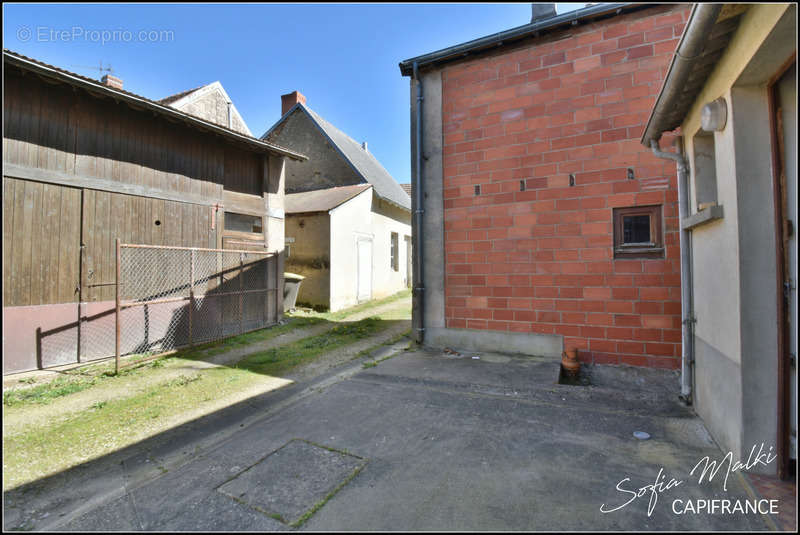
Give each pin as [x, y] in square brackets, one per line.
[423, 441]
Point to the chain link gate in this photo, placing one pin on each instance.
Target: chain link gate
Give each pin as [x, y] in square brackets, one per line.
[170, 297]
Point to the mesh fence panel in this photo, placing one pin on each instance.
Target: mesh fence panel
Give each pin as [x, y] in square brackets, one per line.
[172, 297]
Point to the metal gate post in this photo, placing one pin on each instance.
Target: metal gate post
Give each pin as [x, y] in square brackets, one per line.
[241, 295]
[191, 298]
[278, 297]
[266, 292]
[116, 315]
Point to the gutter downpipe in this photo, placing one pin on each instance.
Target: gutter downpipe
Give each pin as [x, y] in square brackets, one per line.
[418, 303]
[687, 312]
[693, 41]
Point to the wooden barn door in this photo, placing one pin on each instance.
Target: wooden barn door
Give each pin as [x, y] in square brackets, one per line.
[107, 216]
[41, 252]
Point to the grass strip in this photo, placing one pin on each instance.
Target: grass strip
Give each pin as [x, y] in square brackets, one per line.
[80, 379]
[280, 359]
[342, 314]
[114, 424]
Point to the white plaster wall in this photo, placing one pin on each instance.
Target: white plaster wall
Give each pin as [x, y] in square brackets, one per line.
[716, 298]
[732, 259]
[366, 216]
[386, 219]
[717, 244]
[349, 221]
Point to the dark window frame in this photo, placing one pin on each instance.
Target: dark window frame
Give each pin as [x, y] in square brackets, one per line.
[653, 249]
[254, 217]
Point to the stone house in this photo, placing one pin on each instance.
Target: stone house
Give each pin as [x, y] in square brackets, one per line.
[732, 92]
[545, 224]
[210, 102]
[348, 222]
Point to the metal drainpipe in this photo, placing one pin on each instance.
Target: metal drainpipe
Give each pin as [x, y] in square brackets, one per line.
[419, 284]
[687, 308]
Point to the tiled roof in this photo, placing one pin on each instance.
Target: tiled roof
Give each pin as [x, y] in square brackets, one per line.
[406, 188]
[321, 200]
[360, 159]
[96, 86]
[177, 96]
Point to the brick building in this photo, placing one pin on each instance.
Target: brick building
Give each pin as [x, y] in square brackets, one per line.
[545, 224]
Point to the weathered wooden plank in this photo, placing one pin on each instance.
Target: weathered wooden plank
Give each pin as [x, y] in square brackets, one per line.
[16, 251]
[8, 114]
[73, 121]
[24, 131]
[117, 144]
[43, 142]
[132, 227]
[202, 226]
[117, 219]
[83, 163]
[172, 225]
[66, 179]
[150, 159]
[64, 250]
[62, 134]
[102, 232]
[162, 156]
[174, 155]
[55, 240]
[127, 151]
[87, 239]
[25, 244]
[146, 223]
[50, 134]
[9, 184]
[157, 207]
[69, 245]
[243, 203]
[50, 242]
[37, 246]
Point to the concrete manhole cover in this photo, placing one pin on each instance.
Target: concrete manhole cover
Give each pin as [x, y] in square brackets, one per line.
[292, 482]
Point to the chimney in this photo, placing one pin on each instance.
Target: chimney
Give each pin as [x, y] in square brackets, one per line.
[290, 99]
[542, 11]
[111, 81]
[364, 146]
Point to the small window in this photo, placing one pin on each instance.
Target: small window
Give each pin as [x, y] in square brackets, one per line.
[704, 165]
[394, 255]
[637, 232]
[243, 223]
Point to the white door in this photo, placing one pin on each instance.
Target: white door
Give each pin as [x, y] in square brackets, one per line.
[364, 277]
[787, 95]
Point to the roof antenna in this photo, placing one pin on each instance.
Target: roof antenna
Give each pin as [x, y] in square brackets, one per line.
[100, 67]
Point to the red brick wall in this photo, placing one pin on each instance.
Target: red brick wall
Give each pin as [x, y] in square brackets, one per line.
[541, 260]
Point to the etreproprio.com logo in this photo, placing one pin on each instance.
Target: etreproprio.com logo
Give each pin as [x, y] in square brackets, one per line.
[47, 34]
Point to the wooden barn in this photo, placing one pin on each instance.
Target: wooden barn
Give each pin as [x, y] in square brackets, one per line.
[86, 163]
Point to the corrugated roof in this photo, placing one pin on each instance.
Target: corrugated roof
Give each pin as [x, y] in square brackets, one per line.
[321, 200]
[138, 101]
[360, 159]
